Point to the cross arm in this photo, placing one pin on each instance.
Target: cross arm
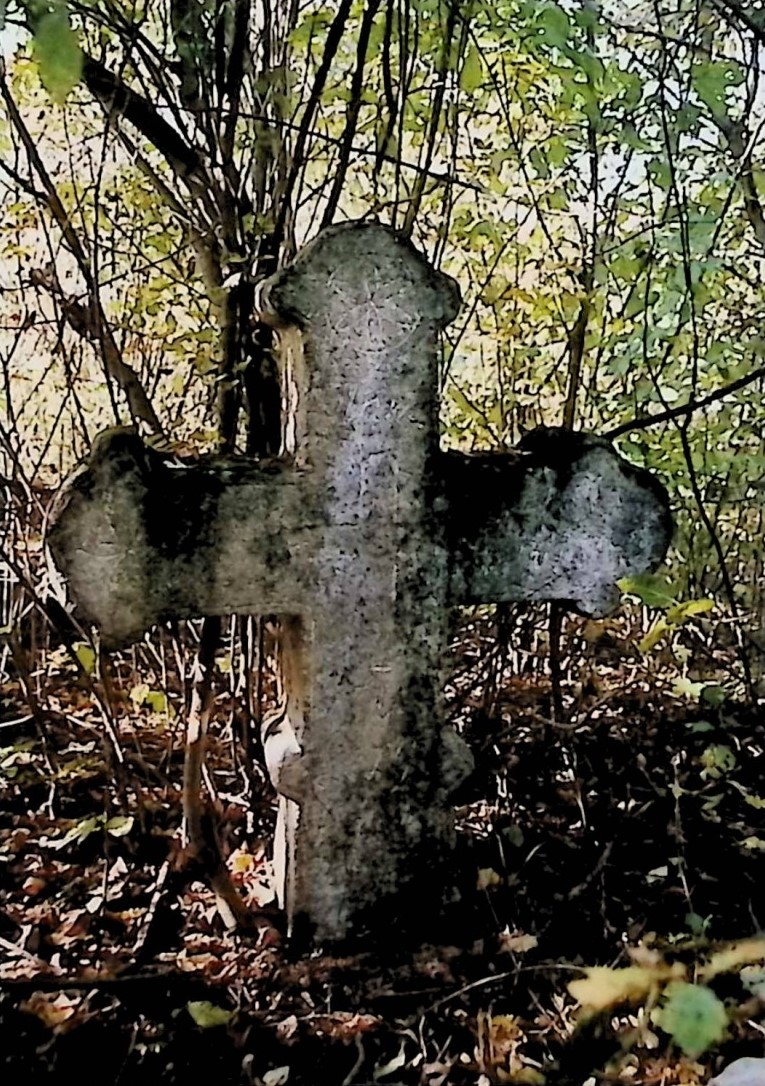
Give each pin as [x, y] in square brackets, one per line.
[142, 536]
[563, 518]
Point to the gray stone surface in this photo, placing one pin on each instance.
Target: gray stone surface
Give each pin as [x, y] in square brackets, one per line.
[749, 1071]
[563, 520]
[368, 534]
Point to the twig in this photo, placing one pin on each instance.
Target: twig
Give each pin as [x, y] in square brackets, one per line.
[641, 423]
[143, 931]
[125, 376]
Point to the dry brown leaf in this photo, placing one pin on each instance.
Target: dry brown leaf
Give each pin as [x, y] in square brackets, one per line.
[33, 886]
[498, 1037]
[287, 1027]
[25, 967]
[344, 1025]
[73, 926]
[198, 963]
[516, 942]
[53, 1009]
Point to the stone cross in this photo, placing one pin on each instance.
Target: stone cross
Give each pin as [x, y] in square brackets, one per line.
[370, 533]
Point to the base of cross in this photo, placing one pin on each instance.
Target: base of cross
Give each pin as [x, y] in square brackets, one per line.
[367, 537]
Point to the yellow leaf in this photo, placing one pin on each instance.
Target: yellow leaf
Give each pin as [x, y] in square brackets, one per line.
[681, 611]
[731, 957]
[240, 861]
[87, 657]
[207, 1015]
[487, 877]
[753, 844]
[603, 987]
[654, 636]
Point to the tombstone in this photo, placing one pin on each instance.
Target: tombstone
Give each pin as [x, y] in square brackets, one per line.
[368, 535]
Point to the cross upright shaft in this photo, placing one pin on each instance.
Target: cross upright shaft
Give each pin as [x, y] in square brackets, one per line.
[373, 812]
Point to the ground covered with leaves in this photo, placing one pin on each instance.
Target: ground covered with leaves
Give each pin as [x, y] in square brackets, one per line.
[610, 867]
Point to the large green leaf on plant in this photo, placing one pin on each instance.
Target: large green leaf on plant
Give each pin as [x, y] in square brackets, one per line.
[58, 53]
[694, 1017]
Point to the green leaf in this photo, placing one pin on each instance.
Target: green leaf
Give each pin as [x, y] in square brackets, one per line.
[713, 694]
[650, 589]
[472, 75]
[636, 305]
[538, 159]
[58, 53]
[718, 759]
[591, 65]
[157, 701]
[694, 1017]
[660, 172]
[79, 832]
[686, 688]
[698, 925]
[87, 657]
[711, 79]
[554, 27]
[120, 825]
[207, 1015]
[699, 727]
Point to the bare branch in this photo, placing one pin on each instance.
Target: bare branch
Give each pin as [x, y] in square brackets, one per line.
[139, 405]
[686, 408]
[735, 8]
[331, 44]
[122, 100]
[352, 112]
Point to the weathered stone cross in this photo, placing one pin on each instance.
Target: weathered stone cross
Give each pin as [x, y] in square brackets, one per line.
[370, 533]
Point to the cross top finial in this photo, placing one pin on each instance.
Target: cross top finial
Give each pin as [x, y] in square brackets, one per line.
[371, 266]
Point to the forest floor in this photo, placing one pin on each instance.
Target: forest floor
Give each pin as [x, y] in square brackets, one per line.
[630, 832]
